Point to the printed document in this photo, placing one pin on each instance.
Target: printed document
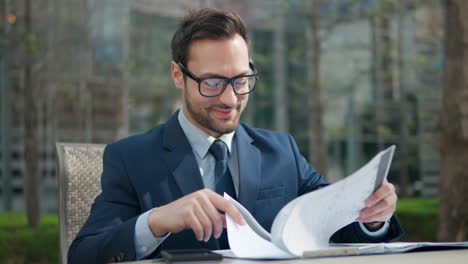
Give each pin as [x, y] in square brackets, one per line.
[306, 223]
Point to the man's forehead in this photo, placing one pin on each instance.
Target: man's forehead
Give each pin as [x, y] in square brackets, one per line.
[233, 46]
[224, 55]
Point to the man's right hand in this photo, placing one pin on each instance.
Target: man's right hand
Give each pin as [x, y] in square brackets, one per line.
[197, 211]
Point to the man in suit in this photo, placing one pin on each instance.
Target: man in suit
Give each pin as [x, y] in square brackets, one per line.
[162, 189]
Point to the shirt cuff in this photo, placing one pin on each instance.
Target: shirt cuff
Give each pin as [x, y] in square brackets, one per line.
[378, 233]
[145, 241]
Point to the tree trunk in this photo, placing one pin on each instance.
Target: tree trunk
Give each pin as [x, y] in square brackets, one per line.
[317, 147]
[124, 126]
[385, 80]
[404, 134]
[453, 213]
[31, 143]
[280, 64]
[6, 105]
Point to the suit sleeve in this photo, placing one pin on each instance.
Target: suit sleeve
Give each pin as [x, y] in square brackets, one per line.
[108, 234]
[311, 180]
[353, 233]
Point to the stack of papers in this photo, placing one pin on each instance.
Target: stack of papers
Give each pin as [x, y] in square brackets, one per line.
[306, 223]
[303, 227]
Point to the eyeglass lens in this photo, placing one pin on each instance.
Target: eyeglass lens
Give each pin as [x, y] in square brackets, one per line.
[214, 86]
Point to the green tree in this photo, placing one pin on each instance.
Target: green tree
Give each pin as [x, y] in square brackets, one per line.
[31, 122]
[317, 146]
[453, 214]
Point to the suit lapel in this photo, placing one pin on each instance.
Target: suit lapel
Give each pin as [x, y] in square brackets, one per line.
[249, 169]
[180, 158]
[181, 162]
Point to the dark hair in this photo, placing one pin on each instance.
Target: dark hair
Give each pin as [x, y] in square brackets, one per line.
[207, 23]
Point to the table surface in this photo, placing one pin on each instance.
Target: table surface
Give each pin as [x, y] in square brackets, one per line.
[428, 257]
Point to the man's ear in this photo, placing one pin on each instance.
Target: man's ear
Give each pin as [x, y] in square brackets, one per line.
[177, 75]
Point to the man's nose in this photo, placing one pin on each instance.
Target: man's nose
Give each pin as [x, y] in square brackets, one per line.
[228, 96]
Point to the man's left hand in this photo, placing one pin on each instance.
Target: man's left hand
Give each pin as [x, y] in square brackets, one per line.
[380, 206]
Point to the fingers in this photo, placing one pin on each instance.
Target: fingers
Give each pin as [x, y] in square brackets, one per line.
[215, 218]
[197, 211]
[380, 212]
[381, 205]
[224, 205]
[205, 223]
[193, 223]
[203, 216]
[385, 189]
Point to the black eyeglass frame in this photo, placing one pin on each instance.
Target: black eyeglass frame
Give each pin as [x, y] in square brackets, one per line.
[192, 76]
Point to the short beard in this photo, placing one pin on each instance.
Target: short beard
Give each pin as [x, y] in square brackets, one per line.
[209, 123]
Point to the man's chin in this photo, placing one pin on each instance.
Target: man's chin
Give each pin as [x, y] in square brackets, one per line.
[226, 130]
[224, 125]
[227, 127]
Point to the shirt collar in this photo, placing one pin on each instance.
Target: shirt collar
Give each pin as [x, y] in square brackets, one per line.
[199, 139]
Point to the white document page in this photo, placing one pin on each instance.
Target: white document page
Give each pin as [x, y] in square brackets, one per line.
[307, 222]
[250, 240]
[400, 247]
[408, 246]
[316, 216]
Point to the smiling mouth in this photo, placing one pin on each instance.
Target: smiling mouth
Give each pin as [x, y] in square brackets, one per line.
[224, 113]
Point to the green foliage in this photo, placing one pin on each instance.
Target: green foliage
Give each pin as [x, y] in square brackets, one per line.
[420, 206]
[33, 44]
[418, 216]
[19, 244]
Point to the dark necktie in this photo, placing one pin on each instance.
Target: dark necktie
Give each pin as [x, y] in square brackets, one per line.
[223, 179]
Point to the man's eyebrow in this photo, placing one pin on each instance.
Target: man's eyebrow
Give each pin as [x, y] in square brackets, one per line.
[216, 75]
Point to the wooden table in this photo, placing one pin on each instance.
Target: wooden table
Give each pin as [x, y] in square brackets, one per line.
[456, 256]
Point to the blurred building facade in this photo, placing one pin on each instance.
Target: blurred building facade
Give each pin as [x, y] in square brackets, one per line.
[100, 71]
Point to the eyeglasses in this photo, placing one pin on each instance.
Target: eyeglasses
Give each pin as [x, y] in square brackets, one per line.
[214, 86]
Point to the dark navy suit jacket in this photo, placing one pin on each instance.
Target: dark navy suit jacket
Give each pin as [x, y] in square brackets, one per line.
[152, 169]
